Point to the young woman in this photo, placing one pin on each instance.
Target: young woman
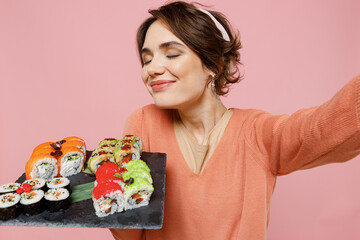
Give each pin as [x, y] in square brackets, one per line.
[222, 163]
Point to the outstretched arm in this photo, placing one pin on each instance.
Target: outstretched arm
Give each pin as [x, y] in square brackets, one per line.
[315, 136]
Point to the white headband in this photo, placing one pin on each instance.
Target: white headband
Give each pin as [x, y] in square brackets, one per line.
[218, 25]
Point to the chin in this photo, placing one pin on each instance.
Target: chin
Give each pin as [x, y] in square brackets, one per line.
[164, 103]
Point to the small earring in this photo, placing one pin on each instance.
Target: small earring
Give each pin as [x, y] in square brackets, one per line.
[212, 81]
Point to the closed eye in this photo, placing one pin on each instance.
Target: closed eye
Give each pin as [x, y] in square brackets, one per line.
[168, 56]
[173, 56]
[147, 62]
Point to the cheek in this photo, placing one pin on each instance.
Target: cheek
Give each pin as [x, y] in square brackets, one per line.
[144, 75]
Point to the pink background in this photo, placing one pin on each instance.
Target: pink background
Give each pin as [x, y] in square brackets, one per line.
[71, 68]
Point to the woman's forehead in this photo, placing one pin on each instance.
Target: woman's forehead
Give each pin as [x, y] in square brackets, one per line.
[158, 34]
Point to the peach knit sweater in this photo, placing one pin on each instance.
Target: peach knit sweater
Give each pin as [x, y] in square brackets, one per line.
[231, 198]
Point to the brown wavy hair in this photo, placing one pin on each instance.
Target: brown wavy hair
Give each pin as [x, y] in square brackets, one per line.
[199, 32]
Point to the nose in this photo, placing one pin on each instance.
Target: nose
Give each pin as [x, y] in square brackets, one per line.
[155, 67]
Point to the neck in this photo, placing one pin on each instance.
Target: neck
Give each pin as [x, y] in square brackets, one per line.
[200, 118]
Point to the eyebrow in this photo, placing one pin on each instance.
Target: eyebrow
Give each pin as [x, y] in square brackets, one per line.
[163, 45]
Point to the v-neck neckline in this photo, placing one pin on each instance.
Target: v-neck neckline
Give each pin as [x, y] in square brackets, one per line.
[215, 152]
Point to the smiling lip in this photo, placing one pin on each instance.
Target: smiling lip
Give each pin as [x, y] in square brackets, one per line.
[159, 85]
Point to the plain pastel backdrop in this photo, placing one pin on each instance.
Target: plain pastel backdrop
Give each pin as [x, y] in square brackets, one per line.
[71, 68]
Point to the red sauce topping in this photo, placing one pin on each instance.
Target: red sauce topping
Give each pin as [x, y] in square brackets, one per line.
[102, 152]
[103, 189]
[109, 139]
[24, 188]
[126, 147]
[129, 135]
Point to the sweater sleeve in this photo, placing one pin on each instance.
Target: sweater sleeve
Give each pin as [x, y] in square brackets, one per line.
[312, 137]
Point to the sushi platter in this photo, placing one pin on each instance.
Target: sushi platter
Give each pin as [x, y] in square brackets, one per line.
[82, 213]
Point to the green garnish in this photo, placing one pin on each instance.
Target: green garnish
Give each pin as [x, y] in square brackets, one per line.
[118, 175]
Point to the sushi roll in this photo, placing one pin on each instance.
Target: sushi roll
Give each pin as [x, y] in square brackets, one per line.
[9, 188]
[32, 202]
[107, 169]
[42, 165]
[108, 142]
[137, 173]
[135, 139]
[100, 157]
[124, 154]
[46, 145]
[133, 143]
[71, 161]
[59, 182]
[37, 184]
[48, 151]
[57, 199]
[137, 163]
[75, 143]
[107, 172]
[72, 138]
[107, 199]
[137, 192]
[9, 206]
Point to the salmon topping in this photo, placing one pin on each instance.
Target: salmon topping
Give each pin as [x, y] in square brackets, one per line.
[127, 158]
[135, 196]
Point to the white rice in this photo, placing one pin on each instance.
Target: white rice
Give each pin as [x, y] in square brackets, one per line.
[5, 201]
[41, 170]
[106, 203]
[71, 167]
[131, 203]
[57, 194]
[31, 197]
[58, 183]
[9, 187]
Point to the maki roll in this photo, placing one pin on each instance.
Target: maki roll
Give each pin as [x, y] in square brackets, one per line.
[9, 188]
[75, 143]
[135, 139]
[71, 138]
[137, 173]
[107, 199]
[9, 206]
[137, 192]
[124, 154]
[107, 169]
[32, 202]
[42, 165]
[71, 161]
[108, 143]
[37, 183]
[100, 157]
[137, 163]
[59, 182]
[57, 199]
[107, 172]
[46, 145]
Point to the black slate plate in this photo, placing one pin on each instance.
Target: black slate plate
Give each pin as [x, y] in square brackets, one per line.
[82, 214]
